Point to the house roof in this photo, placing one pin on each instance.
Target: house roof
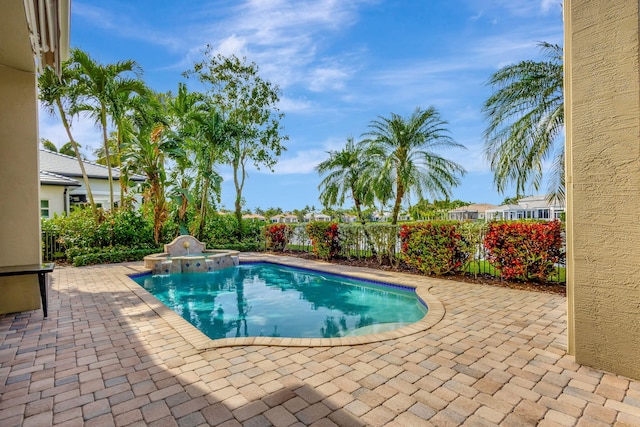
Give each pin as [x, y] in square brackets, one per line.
[475, 207]
[502, 208]
[67, 166]
[252, 216]
[49, 178]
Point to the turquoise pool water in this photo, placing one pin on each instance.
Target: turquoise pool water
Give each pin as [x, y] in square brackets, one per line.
[265, 299]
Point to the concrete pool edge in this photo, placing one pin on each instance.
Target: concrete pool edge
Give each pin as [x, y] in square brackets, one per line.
[200, 341]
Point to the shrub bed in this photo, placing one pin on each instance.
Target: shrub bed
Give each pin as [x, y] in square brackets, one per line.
[325, 239]
[525, 250]
[110, 256]
[434, 247]
[277, 236]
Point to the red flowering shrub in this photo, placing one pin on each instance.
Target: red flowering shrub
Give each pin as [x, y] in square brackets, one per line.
[434, 247]
[525, 249]
[277, 236]
[325, 239]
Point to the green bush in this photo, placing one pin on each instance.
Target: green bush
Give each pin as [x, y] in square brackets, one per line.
[434, 247]
[242, 246]
[384, 239]
[325, 239]
[277, 236]
[108, 255]
[81, 229]
[525, 249]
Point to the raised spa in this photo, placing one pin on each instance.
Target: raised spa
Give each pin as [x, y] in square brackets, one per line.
[185, 254]
[272, 300]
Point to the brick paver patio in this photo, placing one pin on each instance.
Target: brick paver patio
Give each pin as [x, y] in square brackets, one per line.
[107, 355]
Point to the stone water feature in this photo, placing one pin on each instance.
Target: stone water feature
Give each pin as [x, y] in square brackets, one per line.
[185, 254]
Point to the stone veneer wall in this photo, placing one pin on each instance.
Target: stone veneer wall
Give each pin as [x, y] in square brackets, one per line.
[602, 110]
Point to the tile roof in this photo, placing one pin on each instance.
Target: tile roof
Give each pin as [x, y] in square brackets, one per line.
[50, 178]
[67, 166]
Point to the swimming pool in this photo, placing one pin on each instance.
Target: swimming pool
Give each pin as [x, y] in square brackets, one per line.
[269, 300]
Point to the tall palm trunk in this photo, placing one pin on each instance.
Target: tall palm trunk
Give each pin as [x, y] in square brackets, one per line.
[121, 178]
[398, 202]
[367, 236]
[103, 122]
[239, 185]
[85, 178]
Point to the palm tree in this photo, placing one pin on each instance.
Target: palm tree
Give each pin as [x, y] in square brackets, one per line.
[100, 85]
[208, 146]
[60, 93]
[403, 160]
[150, 146]
[121, 103]
[526, 115]
[345, 177]
[183, 109]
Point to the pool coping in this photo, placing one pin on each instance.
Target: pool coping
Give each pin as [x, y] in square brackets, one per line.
[200, 341]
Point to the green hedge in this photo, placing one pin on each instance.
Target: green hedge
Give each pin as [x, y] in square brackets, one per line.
[434, 247]
[111, 256]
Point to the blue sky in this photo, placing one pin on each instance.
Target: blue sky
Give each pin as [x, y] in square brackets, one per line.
[340, 65]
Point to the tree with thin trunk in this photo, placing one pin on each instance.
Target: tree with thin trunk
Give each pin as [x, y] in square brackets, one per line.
[526, 117]
[59, 93]
[403, 158]
[346, 175]
[183, 109]
[248, 105]
[208, 146]
[99, 85]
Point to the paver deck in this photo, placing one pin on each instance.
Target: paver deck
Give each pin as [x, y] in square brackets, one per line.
[109, 355]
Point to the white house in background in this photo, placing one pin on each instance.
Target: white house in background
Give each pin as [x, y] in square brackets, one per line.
[470, 212]
[386, 217]
[532, 207]
[62, 185]
[285, 218]
[349, 219]
[54, 193]
[312, 216]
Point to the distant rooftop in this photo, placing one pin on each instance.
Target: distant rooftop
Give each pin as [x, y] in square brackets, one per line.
[67, 166]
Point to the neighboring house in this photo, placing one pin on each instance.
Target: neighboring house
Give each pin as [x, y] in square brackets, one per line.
[472, 212]
[54, 193]
[312, 216]
[380, 216]
[386, 217]
[349, 219]
[285, 218]
[254, 217]
[63, 185]
[532, 207]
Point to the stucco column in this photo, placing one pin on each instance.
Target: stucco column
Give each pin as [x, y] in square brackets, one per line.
[602, 110]
[19, 187]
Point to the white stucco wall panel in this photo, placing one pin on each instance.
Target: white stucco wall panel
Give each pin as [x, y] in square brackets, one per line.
[55, 195]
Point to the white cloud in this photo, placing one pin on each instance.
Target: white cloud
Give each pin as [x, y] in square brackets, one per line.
[83, 131]
[328, 78]
[303, 162]
[548, 5]
[233, 45]
[290, 105]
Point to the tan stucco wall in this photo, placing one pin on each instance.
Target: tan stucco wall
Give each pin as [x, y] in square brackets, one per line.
[603, 182]
[19, 185]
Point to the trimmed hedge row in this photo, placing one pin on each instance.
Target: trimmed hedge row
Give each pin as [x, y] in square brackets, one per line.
[526, 250]
[108, 256]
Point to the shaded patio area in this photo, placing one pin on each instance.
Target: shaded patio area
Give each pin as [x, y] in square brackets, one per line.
[109, 355]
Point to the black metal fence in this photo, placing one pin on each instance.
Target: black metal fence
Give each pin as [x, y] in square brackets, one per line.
[384, 244]
[52, 248]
